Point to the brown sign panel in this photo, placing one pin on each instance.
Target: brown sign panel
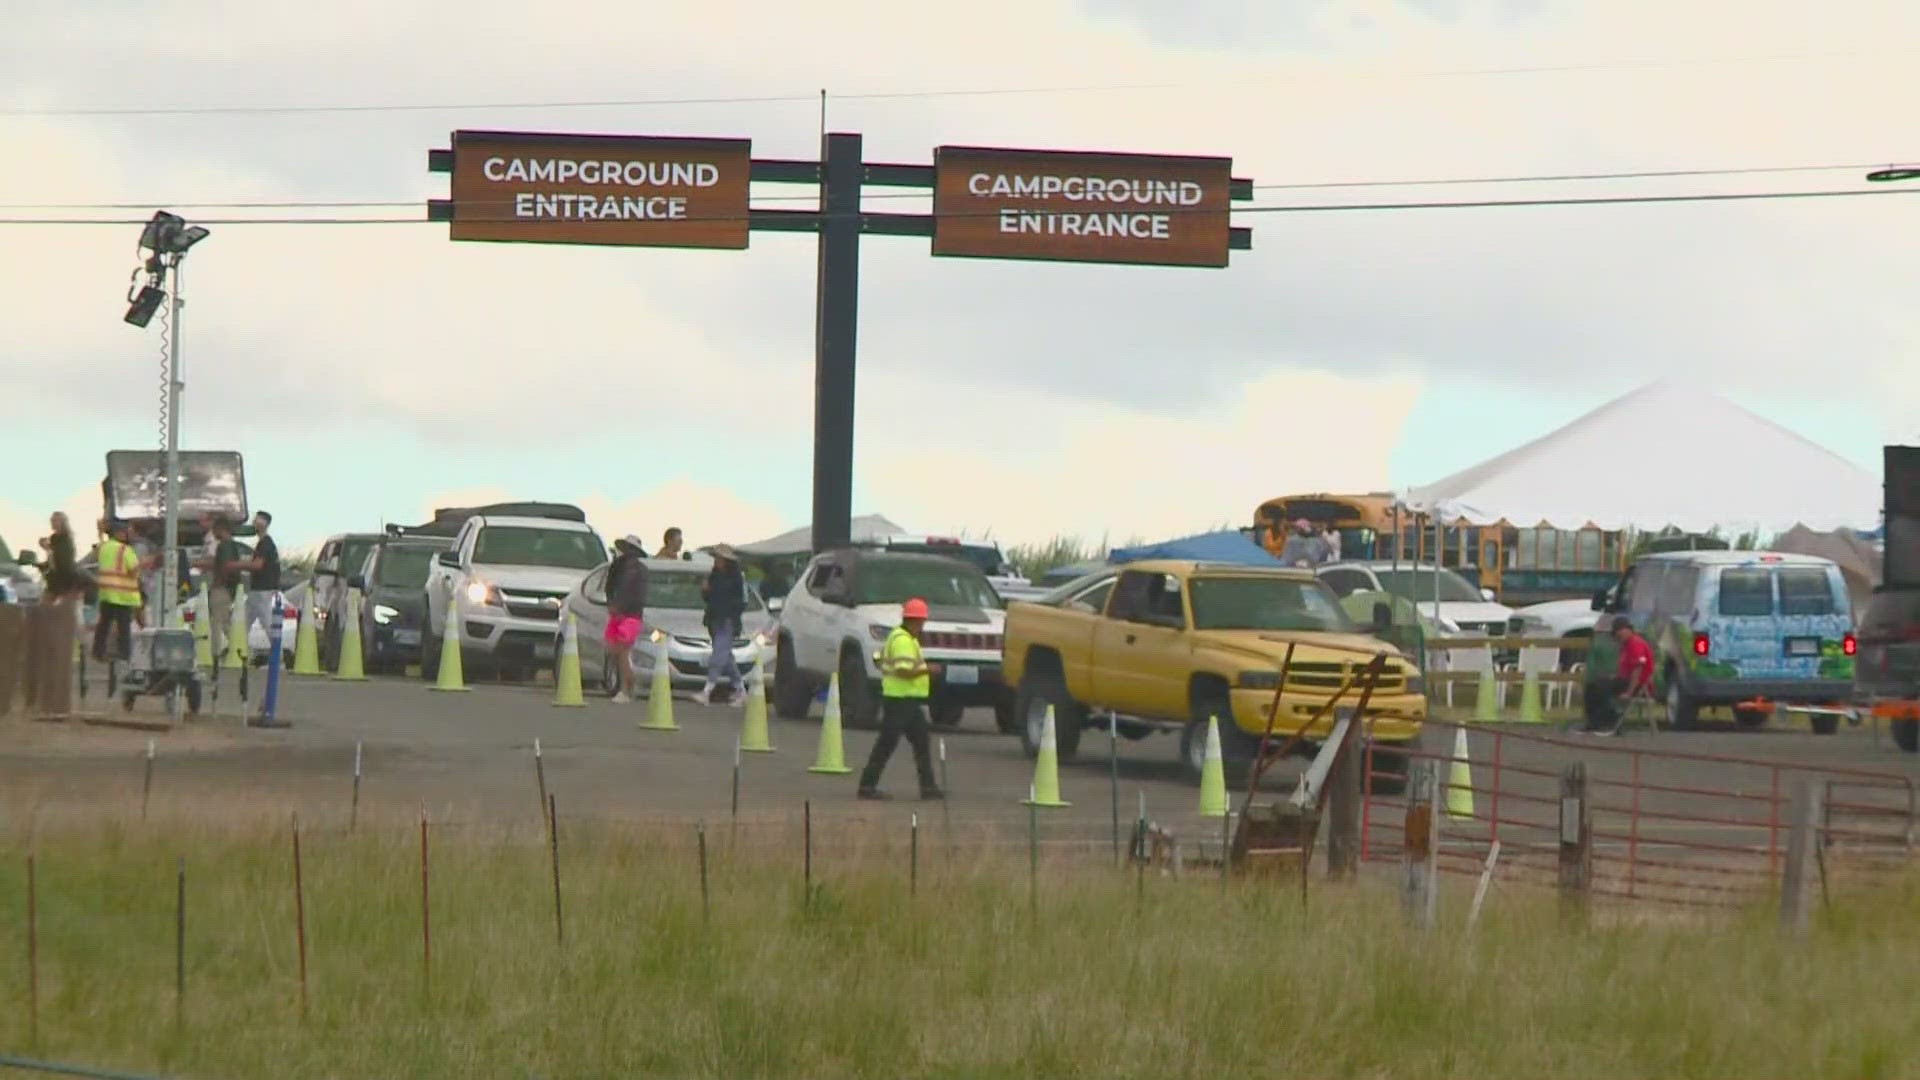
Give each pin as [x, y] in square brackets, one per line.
[642, 191]
[1081, 207]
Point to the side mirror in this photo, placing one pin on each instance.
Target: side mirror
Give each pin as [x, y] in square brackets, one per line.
[1382, 616]
[1600, 599]
[774, 604]
[449, 559]
[1487, 595]
[357, 581]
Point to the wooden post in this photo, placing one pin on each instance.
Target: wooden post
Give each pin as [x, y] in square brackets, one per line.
[1808, 795]
[300, 914]
[706, 901]
[1576, 836]
[1423, 783]
[353, 812]
[426, 909]
[553, 846]
[1343, 809]
[1486, 879]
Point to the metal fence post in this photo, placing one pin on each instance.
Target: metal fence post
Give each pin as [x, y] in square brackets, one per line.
[1423, 787]
[1576, 834]
[1343, 809]
[1808, 795]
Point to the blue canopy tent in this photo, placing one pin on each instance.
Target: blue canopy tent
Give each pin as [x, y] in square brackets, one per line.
[1226, 546]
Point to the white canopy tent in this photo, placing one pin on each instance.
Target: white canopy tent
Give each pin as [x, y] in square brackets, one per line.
[1663, 455]
[866, 528]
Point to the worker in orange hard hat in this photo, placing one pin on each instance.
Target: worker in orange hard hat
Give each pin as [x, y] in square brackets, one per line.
[906, 681]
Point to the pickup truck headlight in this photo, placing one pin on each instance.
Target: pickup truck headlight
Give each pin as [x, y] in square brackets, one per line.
[878, 632]
[1259, 680]
[383, 614]
[759, 641]
[479, 592]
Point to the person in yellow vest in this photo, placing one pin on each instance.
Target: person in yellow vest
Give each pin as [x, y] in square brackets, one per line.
[906, 681]
[119, 580]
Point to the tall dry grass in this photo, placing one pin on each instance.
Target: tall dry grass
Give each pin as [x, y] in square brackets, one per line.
[1100, 978]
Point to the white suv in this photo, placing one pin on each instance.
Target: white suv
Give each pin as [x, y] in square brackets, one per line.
[845, 604]
[511, 574]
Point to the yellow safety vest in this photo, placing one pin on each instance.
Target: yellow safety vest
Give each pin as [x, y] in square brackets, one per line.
[119, 574]
[902, 651]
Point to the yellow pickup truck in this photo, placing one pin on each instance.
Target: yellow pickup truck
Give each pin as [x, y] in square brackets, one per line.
[1162, 645]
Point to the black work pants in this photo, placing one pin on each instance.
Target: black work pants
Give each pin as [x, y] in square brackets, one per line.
[900, 716]
[112, 616]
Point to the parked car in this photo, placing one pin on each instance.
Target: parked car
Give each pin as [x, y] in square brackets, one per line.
[1730, 627]
[1556, 619]
[511, 572]
[846, 603]
[393, 613]
[985, 557]
[340, 557]
[674, 623]
[1465, 609]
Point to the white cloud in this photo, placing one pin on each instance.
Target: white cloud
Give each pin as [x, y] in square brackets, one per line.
[1135, 474]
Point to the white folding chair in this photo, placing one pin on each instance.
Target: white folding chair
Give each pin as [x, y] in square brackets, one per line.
[1478, 662]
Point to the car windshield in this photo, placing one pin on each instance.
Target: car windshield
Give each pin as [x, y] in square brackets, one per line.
[886, 581]
[984, 557]
[406, 564]
[681, 589]
[523, 545]
[353, 556]
[1265, 603]
[1417, 585]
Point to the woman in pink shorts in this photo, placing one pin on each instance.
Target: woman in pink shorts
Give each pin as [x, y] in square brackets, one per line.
[626, 603]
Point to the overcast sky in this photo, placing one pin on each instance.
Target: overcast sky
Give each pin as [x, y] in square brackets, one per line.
[372, 371]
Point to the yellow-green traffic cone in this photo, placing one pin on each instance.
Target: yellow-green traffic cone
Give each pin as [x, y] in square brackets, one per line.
[202, 630]
[1046, 770]
[1486, 709]
[236, 651]
[451, 678]
[660, 694]
[1530, 712]
[753, 726]
[832, 758]
[1213, 774]
[351, 666]
[306, 640]
[566, 672]
[1460, 779]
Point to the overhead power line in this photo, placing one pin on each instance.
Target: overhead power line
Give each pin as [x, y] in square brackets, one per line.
[1305, 208]
[813, 96]
[1547, 178]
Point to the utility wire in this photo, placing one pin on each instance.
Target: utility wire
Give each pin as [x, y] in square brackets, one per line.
[1549, 178]
[886, 95]
[1483, 204]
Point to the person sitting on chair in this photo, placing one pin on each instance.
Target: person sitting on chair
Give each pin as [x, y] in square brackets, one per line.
[1633, 678]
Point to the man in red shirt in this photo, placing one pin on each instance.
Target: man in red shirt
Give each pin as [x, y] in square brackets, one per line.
[1634, 676]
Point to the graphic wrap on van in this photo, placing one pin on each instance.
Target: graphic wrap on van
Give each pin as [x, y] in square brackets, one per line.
[1775, 647]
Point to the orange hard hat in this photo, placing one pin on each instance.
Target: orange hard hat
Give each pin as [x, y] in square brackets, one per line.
[915, 608]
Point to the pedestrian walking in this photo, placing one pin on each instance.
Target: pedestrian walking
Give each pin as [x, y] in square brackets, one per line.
[725, 590]
[626, 607]
[906, 681]
[119, 578]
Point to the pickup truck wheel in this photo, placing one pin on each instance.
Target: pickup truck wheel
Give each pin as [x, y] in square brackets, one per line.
[1234, 760]
[859, 705]
[792, 697]
[947, 714]
[430, 659]
[1906, 735]
[1036, 693]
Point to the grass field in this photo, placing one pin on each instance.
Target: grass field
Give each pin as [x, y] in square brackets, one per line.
[962, 979]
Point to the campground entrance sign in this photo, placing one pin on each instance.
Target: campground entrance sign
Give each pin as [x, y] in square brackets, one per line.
[994, 203]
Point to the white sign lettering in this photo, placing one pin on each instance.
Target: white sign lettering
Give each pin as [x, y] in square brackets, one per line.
[1096, 189]
[1073, 223]
[699, 174]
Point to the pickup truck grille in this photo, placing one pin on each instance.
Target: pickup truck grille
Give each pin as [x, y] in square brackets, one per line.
[1324, 677]
[947, 639]
[533, 605]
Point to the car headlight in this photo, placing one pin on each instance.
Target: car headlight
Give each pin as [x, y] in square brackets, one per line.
[383, 614]
[878, 632]
[1259, 680]
[479, 592]
[657, 636]
[760, 641]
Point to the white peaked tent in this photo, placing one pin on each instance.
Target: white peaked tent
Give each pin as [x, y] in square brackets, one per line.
[1663, 455]
[866, 528]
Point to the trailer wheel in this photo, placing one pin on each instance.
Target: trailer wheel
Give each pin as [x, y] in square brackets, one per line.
[1906, 735]
[1824, 723]
[193, 697]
